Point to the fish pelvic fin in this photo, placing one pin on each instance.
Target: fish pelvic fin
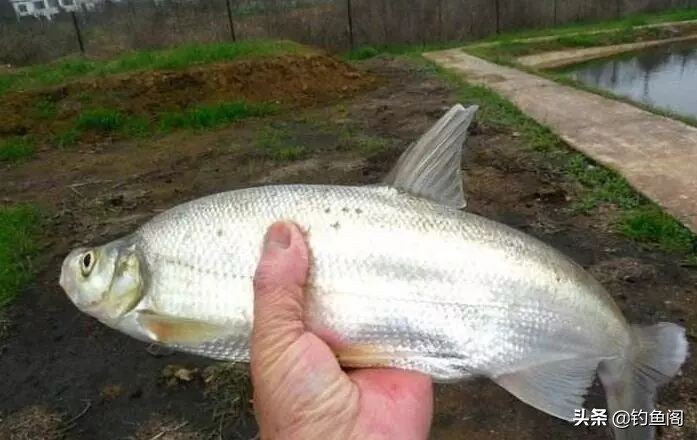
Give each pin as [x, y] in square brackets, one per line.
[431, 168]
[557, 388]
[180, 331]
[630, 384]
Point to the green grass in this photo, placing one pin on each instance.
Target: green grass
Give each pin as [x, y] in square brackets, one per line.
[279, 145]
[594, 26]
[639, 218]
[507, 51]
[100, 119]
[649, 224]
[111, 121]
[176, 58]
[19, 227]
[362, 53]
[214, 115]
[45, 110]
[67, 138]
[16, 149]
[619, 27]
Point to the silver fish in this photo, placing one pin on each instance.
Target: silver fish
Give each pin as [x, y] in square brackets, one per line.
[400, 277]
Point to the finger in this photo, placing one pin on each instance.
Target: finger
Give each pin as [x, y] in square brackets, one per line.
[279, 289]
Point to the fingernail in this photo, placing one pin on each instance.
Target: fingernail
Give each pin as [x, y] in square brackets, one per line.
[278, 237]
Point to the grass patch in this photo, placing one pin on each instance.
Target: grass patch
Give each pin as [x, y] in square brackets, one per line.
[620, 27]
[507, 51]
[67, 138]
[649, 224]
[362, 53]
[176, 58]
[640, 219]
[45, 110]
[214, 115]
[229, 388]
[674, 15]
[100, 119]
[18, 228]
[279, 145]
[16, 149]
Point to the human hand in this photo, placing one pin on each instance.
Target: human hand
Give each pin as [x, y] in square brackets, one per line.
[300, 391]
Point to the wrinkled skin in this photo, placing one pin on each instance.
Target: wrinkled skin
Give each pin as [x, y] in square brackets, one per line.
[300, 391]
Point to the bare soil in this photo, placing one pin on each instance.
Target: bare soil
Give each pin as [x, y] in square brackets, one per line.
[91, 382]
[290, 81]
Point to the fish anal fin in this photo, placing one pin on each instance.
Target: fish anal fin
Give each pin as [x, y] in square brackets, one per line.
[431, 168]
[557, 388]
[441, 369]
[174, 330]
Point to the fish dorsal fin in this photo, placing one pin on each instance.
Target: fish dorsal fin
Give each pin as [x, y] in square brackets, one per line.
[431, 167]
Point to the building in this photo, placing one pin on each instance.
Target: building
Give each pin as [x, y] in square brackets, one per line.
[48, 8]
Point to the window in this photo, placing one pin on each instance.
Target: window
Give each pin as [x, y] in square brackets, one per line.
[22, 8]
[39, 5]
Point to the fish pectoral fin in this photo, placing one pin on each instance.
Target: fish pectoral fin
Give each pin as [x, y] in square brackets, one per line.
[431, 168]
[174, 330]
[557, 388]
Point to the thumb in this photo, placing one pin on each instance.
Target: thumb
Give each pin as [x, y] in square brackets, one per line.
[279, 285]
[293, 371]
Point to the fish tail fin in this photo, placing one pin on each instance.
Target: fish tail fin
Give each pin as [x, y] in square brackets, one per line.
[656, 355]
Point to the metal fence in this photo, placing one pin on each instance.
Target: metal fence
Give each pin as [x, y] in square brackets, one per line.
[112, 27]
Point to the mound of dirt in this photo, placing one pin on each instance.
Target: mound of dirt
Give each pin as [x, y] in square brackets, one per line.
[290, 80]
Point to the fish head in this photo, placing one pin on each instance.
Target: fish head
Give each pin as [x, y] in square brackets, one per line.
[105, 281]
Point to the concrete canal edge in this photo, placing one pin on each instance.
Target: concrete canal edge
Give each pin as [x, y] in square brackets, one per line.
[657, 155]
[560, 58]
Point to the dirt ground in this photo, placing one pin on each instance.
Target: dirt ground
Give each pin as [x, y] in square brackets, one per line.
[287, 81]
[67, 376]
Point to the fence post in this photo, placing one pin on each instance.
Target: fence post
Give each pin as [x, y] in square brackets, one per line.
[230, 21]
[76, 25]
[498, 17]
[440, 20]
[349, 12]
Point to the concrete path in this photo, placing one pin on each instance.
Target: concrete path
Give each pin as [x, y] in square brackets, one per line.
[558, 58]
[657, 155]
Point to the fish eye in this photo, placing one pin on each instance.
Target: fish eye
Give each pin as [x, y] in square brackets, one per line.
[87, 263]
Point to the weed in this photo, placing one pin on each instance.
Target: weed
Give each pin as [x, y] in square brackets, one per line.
[16, 149]
[18, 229]
[278, 145]
[135, 127]
[100, 119]
[67, 138]
[362, 53]
[581, 40]
[176, 58]
[45, 110]
[214, 115]
[229, 387]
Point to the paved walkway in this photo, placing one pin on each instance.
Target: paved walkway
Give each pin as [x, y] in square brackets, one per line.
[657, 155]
[558, 58]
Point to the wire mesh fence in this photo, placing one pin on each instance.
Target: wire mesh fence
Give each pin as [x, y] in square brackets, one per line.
[107, 27]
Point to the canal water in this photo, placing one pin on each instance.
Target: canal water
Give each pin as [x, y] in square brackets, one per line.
[664, 77]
